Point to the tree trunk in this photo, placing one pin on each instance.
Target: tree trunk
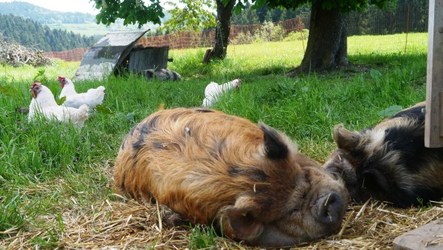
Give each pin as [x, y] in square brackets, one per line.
[224, 13]
[327, 42]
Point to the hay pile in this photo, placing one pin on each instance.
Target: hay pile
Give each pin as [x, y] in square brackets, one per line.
[120, 223]
[125, 224]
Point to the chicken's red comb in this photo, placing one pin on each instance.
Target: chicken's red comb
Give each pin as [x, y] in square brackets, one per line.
[61, 78]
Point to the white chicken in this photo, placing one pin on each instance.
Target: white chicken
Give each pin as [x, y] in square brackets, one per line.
[43, 104]
[92, 97]
[213, 90]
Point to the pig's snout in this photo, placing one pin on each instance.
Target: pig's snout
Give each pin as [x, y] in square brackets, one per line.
[329, 209]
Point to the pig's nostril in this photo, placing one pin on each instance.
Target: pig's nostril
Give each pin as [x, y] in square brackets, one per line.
[329, 208]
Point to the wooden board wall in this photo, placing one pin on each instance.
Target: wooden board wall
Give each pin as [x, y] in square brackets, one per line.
[434, 84]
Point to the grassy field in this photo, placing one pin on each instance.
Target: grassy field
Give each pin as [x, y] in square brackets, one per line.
[56, 181]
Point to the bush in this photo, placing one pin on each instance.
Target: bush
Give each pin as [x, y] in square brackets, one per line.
[243, 38]
[269, 32]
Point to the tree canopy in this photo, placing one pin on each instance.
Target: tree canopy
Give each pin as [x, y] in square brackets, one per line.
[194, 15]
[131, 11]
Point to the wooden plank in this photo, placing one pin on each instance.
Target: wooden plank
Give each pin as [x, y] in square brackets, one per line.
[429, 237]
[434, 84]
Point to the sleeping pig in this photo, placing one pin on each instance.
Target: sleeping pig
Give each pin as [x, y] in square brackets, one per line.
[247, 181]
[389, 161]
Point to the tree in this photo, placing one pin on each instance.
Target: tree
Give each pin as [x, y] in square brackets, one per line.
[327, 41]
[194, 15]
[223, 28]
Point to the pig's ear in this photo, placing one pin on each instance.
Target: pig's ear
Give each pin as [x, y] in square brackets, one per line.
[346, 139]
[275, 146]
[243, 221]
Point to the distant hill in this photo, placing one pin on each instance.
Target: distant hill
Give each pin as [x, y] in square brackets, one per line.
[32, 34]
[42, 15]
[79, 23]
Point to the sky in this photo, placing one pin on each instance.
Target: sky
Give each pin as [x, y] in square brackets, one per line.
[84, 6]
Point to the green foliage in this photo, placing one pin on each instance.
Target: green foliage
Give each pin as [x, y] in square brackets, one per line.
[10, 214]
[190, 15]
[374, 20]
[41, 76]
[186, 15]
[202, 237]
[243, 38]
[131, 11]
[34, 35]
[269, 32]
[247, 16]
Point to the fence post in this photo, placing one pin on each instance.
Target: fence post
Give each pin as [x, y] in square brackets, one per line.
[434, 83]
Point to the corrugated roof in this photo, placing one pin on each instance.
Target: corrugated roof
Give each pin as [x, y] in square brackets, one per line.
[103, 57]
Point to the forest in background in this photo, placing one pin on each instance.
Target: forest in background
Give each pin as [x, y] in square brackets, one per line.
[32, 34]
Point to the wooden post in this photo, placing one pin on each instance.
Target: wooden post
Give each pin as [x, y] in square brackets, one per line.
[434, 84]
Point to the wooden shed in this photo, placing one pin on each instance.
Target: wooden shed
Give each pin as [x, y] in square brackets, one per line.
[119, 52]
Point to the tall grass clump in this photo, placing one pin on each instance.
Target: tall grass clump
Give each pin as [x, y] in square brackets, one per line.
[11, 217]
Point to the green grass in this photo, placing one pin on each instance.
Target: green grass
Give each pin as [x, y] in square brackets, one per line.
[44, 166]
[202, 237]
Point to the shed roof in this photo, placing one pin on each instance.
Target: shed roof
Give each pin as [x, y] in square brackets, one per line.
[104, 56]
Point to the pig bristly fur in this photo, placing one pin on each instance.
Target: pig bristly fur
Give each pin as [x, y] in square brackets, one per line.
[247, 180]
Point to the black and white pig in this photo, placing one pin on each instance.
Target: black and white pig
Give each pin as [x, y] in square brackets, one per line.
[389, 161]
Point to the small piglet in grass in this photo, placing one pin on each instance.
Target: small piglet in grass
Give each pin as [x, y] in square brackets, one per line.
[247, 180]
[389, 161]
